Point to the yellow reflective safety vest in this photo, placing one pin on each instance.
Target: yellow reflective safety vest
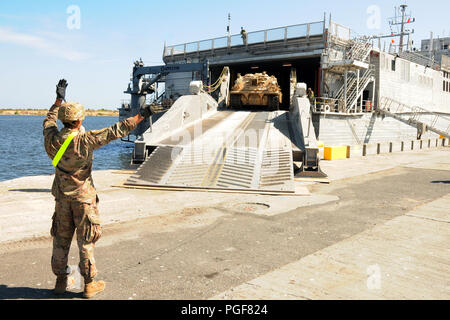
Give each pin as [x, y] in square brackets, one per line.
[63, 148]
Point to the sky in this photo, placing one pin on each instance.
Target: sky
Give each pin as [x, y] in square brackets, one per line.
[93, 44]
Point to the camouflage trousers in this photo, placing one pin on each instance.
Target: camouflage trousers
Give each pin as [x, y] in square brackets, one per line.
[71, 216]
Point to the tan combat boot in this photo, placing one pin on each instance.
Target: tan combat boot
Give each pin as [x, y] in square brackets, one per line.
[92, 288]
[63, 283]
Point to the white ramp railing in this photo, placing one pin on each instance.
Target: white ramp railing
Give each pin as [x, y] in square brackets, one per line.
[415, 116]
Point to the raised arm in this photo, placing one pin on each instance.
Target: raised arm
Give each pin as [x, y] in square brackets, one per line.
[100, 138]
[50, 122]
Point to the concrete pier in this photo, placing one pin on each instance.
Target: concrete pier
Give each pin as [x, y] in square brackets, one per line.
[379, 230]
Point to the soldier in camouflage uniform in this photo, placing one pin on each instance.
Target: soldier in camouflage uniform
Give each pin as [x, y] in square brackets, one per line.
[75, 195]
[244, 36]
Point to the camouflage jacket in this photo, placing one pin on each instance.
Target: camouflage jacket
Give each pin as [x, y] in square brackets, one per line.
[73, 177]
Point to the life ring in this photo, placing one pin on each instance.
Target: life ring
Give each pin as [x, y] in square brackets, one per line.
[326, 108]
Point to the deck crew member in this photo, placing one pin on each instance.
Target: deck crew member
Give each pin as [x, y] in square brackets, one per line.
[421, 129]
[244, 36]
[76, 199]
[311, 96]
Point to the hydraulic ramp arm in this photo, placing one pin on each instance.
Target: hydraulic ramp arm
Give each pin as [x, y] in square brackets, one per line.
[141, 86]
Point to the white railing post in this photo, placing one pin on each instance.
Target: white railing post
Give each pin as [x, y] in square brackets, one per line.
[265, 38]
[373, 94]
[357, 82]
[345, 90]
[285, 35]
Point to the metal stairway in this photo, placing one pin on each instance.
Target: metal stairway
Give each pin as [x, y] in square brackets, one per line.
[415, 116]
[355, 88]
[360, 50]
[346, 55]
[352, 60]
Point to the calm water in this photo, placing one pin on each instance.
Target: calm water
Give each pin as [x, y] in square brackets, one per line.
[22, 150]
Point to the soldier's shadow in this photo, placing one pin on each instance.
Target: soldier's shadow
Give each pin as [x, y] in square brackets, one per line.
[33, 293]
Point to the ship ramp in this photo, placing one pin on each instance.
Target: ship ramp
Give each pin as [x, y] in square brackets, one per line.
[198, 146]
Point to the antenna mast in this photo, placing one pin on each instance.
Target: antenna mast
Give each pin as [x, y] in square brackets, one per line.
[403, 8]
[405, 19]
[394, 21]
[229, 25]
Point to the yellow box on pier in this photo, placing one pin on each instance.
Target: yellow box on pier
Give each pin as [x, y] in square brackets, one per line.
[335, 153]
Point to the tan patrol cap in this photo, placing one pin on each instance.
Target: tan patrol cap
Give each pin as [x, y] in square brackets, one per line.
[71, 111]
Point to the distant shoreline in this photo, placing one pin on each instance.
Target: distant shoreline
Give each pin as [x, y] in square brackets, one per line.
[43, 112]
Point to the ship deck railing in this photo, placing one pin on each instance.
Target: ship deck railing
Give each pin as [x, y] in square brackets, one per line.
[333, 106]
[265, 37]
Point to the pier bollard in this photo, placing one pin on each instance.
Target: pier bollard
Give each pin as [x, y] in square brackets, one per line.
[390, 147]
[364, 150]
[402, 148]
[378, 148]
[412, 145]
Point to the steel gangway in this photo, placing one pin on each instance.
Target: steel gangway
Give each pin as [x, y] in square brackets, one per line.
[416, 116]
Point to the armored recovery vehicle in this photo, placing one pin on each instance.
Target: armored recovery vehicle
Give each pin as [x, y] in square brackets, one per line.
[256, 89]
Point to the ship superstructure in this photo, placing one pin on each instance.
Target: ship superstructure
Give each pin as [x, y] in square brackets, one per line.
[363, 94]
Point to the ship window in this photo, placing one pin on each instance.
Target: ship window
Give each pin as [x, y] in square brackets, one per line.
[405, 70]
